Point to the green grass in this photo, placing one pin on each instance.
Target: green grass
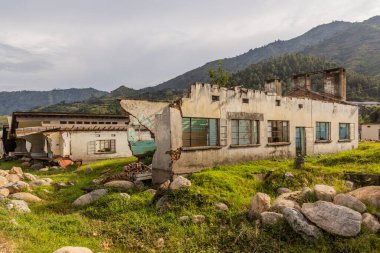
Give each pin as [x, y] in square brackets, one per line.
[115, 224]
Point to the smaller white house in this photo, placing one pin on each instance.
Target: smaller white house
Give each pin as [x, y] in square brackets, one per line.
[85, 137]
[370, 131]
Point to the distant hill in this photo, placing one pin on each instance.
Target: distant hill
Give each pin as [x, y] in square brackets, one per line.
[27, 100]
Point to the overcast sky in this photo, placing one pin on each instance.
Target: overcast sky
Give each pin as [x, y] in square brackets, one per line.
[104, 44]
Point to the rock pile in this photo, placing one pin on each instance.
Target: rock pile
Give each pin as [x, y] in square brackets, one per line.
[342, 214]
[14, 184]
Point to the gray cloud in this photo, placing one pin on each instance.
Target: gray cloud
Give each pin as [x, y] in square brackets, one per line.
[60, 44]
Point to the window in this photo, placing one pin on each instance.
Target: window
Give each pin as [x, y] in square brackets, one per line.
[215, 98]
[79, 122]
[105, 146]
[46, 122]
[114, 123]
[87, 122]
[278, 131]
[344, 131]
[197, 132]
[63, 122]
[278, 102]
[245, 100]
[323, 131]
[94, 123]
[71, 122]
[244, 132]
[101, 123]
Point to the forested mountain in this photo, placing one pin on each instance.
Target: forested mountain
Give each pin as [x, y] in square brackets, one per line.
[26, 100]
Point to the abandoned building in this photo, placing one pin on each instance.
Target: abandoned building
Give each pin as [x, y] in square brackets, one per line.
[85, 137]
[370, 131]
[215, 125]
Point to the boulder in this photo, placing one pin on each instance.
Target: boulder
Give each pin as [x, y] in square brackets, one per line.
[369, 195]
[18, 186]
[3, 181]
[44, 169]
[286, 200]
[13, 178]
[283, 190]
[19, 205]
[219, 206]
[180, 182]
[37, 166]
[334, 219]
[370, 223]
[122, 184]
[71, 249]
[198, 218]
[4, 173]
[324, 192]
[16, 170]
[349, 185]
[350, 202]
[48, 180]
[300, 224]
[89, 197]
[29, 177]
[38, 182]
[259, 203]
[271, 218]
[163, 204]
[125, 195]
[4, 192]
[26, 196]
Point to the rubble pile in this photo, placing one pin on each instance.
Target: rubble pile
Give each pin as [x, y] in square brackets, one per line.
[130, 173]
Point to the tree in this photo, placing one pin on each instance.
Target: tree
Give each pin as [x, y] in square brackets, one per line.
[219, 76]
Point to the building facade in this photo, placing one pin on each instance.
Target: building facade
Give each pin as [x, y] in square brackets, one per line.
[370, 131]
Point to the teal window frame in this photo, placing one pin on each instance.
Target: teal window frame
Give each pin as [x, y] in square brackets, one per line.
[200, 132]
[322, 131]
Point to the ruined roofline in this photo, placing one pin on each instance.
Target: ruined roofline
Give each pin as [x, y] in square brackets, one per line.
[74, 115]
[319, 72]
[148, 100]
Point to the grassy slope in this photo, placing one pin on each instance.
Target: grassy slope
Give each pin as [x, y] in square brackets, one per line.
[114, 224]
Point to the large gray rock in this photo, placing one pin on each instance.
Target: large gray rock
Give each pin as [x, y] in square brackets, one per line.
[39, 182]
[350, 202]
[18, 186]
[29, 177]
[26, 196]
[334, 219]
[71, 249]
[13, 178]
[19, 205]
[300, 224]
[122, 184]
[324, 192]
[3, 181]
[180, 182]
[4, 192]
[37, 166]
[368, 195]
[259, 203]
[90, 197]
[370, 223]
[271, 218]
[286, 200]
[16, 170]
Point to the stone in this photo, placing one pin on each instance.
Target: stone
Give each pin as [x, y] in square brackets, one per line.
[184, 218]
[271, 218]
[219, 206]
[71, 249]
[125, 195]
[13, 178]
[334, 219]
[350, 202]
[44, 169]
[3, 181]
[198, 218]
[88, 170]
[37, 166]
[16, 170]
[349, 185]
[160, 243]
[26, 196]
[151, 191]
[19, 205]
[18, 186]
[139, 185]
[300, 224]
[163, 204]
[288, 174]
[324, 192]
[38, 182]
[4, 192]
[283, 190]
[180, 182]
[48, 180]
[286, 200]
[165, 185]
[368, 195]
[370, 223]
[4, 173]
[306, 192]
[259, 203]
[123, 184]
[90, 197]
[29, 177]
[61, 185]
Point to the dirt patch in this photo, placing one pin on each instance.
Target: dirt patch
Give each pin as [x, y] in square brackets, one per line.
[5, 246]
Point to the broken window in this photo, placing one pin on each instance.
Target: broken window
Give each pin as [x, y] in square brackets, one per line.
[102, 146]
[323, 131]
[278, 131]
[197, 132]
[344, 131]
[244, 132]
[215, 98]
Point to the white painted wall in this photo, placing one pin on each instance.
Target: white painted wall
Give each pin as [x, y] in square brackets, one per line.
[370, 132]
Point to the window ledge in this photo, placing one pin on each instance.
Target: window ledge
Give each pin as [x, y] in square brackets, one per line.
[200, 148]
[345, 140]
[244, 146]
[102, 153]
[321, 141]
[278, 144]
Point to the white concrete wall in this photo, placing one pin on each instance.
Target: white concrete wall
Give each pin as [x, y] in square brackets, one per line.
[199, 104]
[370, 132]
